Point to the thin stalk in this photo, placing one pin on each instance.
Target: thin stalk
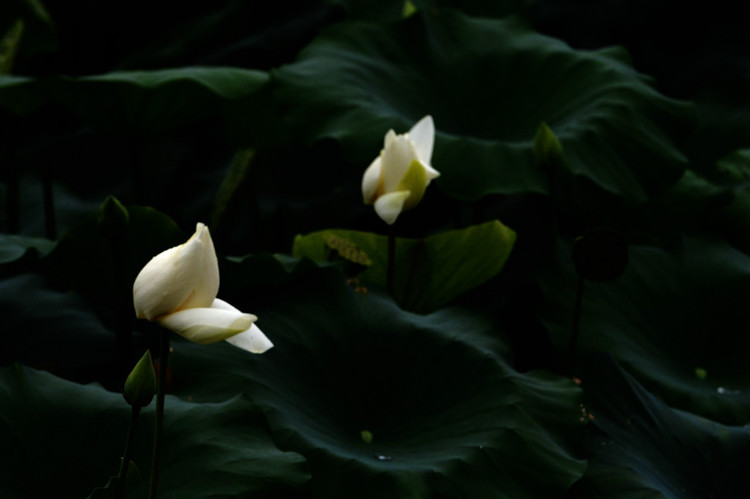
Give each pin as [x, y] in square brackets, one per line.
[159, 419]
[125, 460]
[390, 276]
[576, 324]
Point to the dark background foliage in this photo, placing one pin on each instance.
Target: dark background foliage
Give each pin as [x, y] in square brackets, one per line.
[259, 120]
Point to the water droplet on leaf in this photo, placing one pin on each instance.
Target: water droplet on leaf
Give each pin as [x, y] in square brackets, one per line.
[726, 391]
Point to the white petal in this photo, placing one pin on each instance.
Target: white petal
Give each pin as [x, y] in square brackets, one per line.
[423, 136]
[371, 180]
[186, 276]
[207, 325]
[253, 340]
[389, 206]
[396, 158]
[430, 172]
[389, 136]
[222, 305]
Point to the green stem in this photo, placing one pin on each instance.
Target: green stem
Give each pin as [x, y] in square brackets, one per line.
[390, 276]
[575, 325]
[159, 419]
[125, 460]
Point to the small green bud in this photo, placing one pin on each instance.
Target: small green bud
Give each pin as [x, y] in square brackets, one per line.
[547, 149]
[700, 373]
[409, 9]
[141, 383]
[366, 436]
[113, 218]
[600, 254]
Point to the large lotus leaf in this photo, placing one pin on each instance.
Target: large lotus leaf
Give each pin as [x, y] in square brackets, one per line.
[642, 448]
[16, 251]
[51, 329]
[158, 100]
[482, 8]
[384, 403]
[373, 10]
[714, 202]
[59, 331]
[260, 273]
[430, 272]
[61, 439]
[34, 32]
[488, 84]
[675, 319]
[236, 33]
[102, 267]
[20, 95]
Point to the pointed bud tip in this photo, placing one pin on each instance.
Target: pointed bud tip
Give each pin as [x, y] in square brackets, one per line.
[113, 218]
[547, 149]
[141, 382]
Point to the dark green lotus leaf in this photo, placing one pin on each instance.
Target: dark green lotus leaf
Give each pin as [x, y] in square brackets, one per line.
[733, 219]
[642, 448]
[73, 435]
[13, 247]
[675, 319]
[730, 221]
[481, 8]
[693, 196]
[373, 10]
[101, 267]
[158, 100]
[235, 33]
[488, 85]
[51, 329]
[385, 403]
[20, 95]
[430, 272]
[19, 253]
[261, 272]
[26, 30]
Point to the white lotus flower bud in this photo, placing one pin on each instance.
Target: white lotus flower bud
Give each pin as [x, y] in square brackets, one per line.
[186, 276]
[178, 288]
[397, 179]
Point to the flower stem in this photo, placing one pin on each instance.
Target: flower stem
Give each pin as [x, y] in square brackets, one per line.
[125, 460]
[576, 324]
[159, 419]
[390, 276]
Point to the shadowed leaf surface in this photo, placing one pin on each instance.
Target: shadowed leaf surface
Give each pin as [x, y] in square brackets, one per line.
[72, 435]
[448, 416]
[488, 84]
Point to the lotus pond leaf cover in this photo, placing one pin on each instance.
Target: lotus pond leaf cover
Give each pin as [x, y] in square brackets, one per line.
[490, 343]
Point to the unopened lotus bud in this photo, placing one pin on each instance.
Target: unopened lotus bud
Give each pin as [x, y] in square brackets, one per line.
[547, 149]
[113, 218]
[141, 382]
[397, 179]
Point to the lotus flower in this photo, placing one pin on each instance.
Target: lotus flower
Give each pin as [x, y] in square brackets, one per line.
[397, 179]
[178, 289]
